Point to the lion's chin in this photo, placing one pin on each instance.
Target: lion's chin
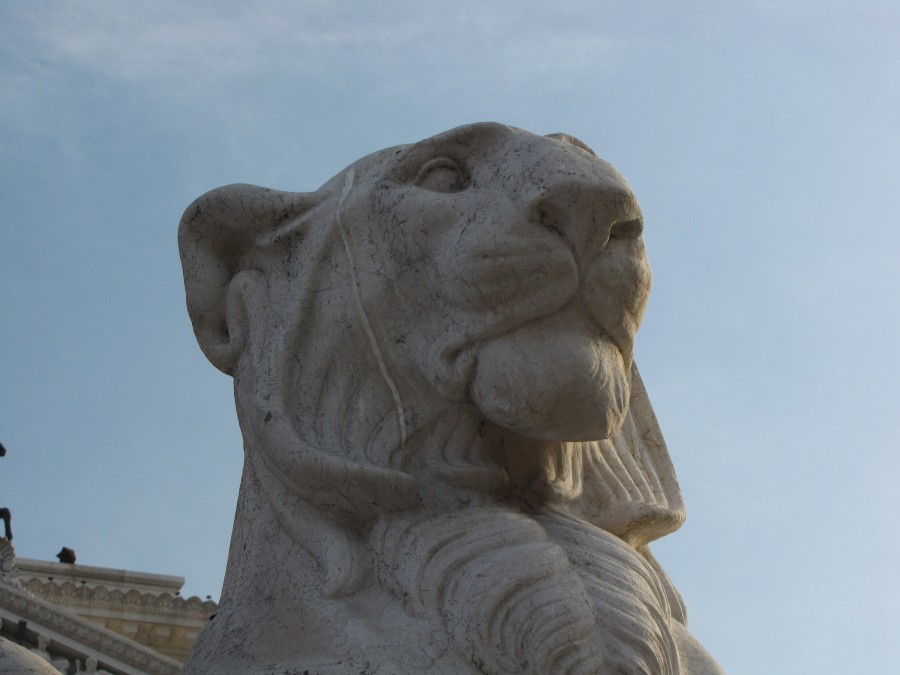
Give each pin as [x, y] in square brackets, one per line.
[553, 383]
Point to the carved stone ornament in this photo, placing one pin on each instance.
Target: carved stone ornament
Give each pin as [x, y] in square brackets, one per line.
[451, 464]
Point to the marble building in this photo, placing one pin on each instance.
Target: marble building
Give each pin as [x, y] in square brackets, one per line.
[85, 619]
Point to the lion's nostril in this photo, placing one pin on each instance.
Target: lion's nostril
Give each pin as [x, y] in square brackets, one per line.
[627, 229]
[549, 218]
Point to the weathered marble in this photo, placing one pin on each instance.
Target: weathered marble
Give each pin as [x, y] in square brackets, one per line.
[17, 660]
[451, 464]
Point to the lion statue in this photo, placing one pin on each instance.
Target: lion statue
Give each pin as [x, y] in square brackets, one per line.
[451, 464]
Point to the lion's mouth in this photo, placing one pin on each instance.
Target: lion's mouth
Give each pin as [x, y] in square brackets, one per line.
[460, 355]
[546, 295]
[557, 379]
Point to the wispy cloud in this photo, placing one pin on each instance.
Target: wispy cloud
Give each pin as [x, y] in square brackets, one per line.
[178, 47]
[182, 43]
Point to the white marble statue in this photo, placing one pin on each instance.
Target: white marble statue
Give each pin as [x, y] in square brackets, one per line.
[43, 643]
[451, 464]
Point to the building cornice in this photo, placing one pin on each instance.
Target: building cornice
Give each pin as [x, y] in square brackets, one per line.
[156, 603]
[99, 576]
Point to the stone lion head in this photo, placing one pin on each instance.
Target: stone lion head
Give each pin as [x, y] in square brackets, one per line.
[433, 368]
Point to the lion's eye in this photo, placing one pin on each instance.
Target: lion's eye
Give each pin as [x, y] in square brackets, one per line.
[441, 175]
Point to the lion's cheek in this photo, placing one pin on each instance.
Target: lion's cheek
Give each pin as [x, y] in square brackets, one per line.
[565, 387]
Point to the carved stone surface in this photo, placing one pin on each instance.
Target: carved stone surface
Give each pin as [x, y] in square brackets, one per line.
[451, 464]
[16, 660]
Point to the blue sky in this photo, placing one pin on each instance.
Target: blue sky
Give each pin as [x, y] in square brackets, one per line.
[762, 140]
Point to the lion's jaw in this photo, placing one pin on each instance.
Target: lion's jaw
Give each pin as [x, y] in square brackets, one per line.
[557, 379]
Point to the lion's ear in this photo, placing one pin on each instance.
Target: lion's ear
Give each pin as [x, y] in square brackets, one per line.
[221, 237]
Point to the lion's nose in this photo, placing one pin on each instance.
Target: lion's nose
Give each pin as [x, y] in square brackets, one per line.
[588, 214]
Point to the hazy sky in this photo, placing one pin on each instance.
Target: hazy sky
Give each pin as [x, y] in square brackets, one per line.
[762, 139]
